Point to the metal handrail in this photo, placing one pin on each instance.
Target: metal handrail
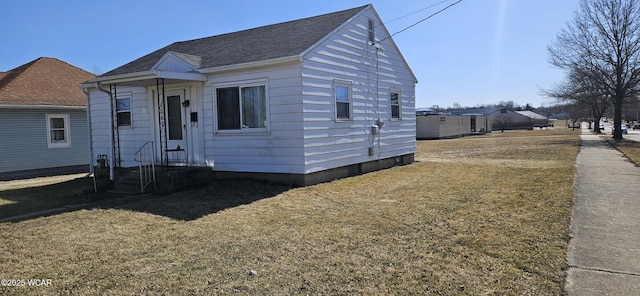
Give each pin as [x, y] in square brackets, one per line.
[145, 156]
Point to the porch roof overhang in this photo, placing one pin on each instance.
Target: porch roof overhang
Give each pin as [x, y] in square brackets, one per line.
[146, 78]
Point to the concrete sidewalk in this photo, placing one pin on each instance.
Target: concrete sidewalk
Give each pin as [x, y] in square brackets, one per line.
[604, 251]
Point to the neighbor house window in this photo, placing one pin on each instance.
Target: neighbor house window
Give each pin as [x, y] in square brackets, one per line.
[395, 105]
[58, 131]
[343, 100]
[242, 108]
[123, 110]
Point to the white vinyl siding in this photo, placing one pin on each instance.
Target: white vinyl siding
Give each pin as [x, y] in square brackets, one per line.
[346, 56]
[278, 148]
[131, 137]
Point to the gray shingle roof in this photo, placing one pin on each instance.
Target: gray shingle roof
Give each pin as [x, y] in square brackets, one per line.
[252, 45]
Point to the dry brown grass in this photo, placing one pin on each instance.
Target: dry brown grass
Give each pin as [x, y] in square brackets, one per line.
[629, 148]
[477, 215]
[29, 195]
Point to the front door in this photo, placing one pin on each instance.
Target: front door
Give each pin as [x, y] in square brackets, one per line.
[177, 149]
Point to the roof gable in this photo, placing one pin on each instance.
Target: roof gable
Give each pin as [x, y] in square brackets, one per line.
[178, 62]
[258, 44]
[43, 81]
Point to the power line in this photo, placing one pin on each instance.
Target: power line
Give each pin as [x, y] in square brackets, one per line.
[430, 6]
[424, 19]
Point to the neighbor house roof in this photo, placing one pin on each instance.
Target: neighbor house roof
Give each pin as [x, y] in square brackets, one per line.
[476, 111]
[43, 81]
[531, 114]
[259, 44]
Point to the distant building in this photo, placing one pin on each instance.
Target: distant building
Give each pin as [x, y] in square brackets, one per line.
[500, 118]
[536, 119]
[440, 126]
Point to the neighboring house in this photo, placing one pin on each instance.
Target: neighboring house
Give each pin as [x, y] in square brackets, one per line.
[440, 126]
[43, 120]
[301, 102]
[500, 118]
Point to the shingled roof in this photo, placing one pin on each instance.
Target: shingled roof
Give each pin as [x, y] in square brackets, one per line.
[43, 81]
[259, 44]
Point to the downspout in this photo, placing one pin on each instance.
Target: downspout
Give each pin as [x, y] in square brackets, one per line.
[91, 170]
[112, 176]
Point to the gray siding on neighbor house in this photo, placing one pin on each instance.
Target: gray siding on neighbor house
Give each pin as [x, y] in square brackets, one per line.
[24, 140]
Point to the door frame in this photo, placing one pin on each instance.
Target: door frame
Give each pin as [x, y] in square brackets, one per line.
[176, 157]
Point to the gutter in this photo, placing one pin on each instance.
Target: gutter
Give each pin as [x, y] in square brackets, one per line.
[112, 176]
[91, 170]
[16, 106]
[145, 75]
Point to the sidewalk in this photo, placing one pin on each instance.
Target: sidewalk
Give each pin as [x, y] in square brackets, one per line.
[604, 251]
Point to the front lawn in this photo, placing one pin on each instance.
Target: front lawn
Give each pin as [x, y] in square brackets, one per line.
[477, 215]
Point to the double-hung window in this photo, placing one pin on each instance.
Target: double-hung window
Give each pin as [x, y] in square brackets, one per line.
[123, 110]
[242, 108]
[58, 135]
[395, 104]
[343, 100]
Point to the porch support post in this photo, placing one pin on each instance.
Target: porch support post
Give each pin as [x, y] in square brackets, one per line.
[162, 123]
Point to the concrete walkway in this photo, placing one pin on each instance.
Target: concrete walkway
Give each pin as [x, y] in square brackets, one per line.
[604, 251]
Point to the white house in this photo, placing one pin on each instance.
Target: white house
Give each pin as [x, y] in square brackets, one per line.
[302, 102]
[43, 120]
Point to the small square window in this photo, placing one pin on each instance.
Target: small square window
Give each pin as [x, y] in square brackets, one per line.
[58, 131]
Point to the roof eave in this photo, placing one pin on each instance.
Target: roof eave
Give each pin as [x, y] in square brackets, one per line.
[56, 107]
[295, 58]
[145, 75]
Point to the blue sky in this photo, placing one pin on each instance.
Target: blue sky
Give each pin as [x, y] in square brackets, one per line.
[476, 52]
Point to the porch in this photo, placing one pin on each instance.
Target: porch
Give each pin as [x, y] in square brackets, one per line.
[128, 181]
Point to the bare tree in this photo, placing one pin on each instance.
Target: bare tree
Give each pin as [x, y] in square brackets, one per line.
[581, 94]
[602, 44]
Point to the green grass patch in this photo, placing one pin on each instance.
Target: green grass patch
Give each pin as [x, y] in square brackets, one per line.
[477, 215]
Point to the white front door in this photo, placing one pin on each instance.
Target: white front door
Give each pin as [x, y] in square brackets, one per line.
[176, 127]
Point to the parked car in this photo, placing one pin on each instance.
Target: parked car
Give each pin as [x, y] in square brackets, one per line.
[636, 126]
[601, 126]
[624, 129]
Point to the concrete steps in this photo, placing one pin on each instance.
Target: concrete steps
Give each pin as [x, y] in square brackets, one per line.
[167, 180]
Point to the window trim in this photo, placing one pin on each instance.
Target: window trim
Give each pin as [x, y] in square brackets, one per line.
[67, 132]
[399, 93]
[125, 96]
[348, 85]
[240, 85]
